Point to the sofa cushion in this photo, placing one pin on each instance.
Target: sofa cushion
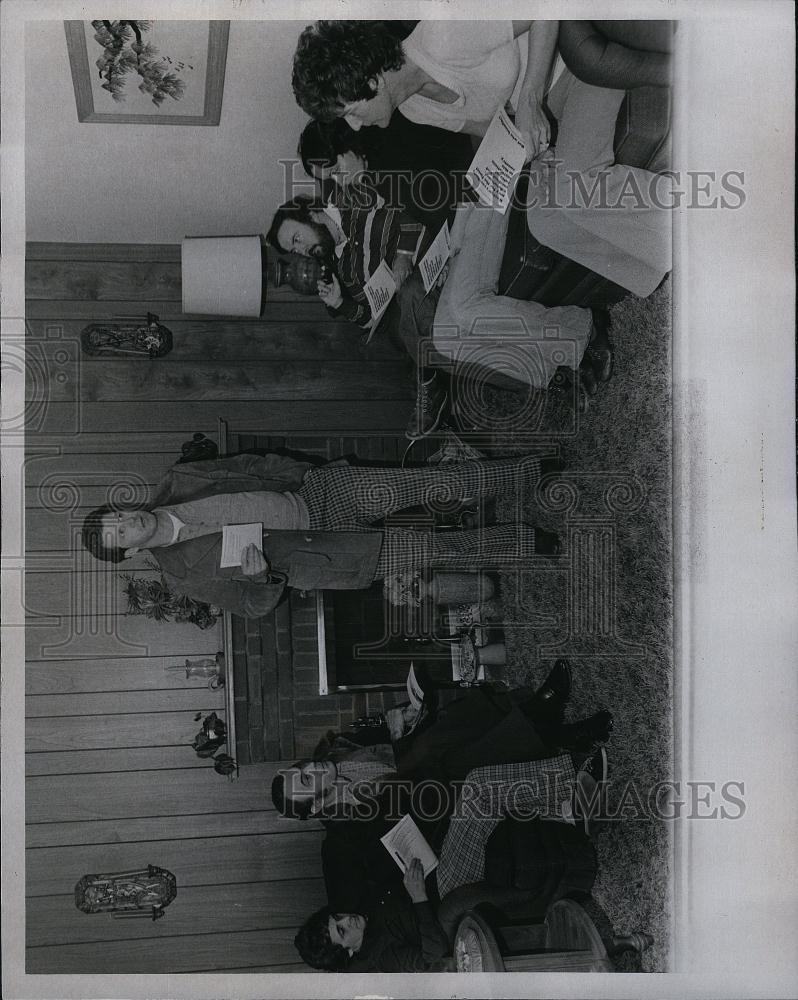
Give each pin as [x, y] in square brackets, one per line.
[648, 36]
[618, 54]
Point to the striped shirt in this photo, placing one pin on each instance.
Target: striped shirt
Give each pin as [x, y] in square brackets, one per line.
[363, 194]
[370, 236]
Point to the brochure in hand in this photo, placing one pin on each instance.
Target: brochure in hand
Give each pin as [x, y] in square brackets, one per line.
[405, 841]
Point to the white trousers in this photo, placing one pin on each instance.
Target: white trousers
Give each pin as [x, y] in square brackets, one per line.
[475, 326]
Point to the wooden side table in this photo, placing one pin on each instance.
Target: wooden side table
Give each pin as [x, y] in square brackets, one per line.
[567, 941]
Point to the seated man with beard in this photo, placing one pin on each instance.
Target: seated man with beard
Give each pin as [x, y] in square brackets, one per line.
[487, 725]
[461, 324]
[353, 241]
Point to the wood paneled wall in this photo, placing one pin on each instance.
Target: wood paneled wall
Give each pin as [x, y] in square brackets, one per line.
[111, 780]
[291, 370]
[246, 877]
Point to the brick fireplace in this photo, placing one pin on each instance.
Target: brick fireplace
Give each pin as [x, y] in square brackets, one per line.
[279, 712]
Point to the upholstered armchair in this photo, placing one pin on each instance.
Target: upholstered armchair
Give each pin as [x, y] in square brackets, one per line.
[534, 912]
[528, 865]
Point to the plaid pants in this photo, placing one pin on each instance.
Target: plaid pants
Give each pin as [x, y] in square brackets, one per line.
[350, 498]
[489, 794]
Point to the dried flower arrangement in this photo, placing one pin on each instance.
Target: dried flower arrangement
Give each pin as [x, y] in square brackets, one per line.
[153, 599]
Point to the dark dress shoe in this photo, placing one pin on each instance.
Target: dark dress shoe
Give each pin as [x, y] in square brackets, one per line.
[558, 684]
[569, 382]
[587, 377]
[586, 734]
[599, 354]
[547, 704]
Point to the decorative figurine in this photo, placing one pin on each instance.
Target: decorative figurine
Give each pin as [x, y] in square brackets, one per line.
[211, 737]
[144, 892]
[152, 339]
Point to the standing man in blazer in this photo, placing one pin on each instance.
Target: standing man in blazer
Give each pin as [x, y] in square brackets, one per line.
[318, 525]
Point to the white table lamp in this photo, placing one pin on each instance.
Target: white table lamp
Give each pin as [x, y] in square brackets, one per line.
[222, 276]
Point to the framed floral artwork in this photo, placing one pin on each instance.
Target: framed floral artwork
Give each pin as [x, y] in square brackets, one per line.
[148, 72]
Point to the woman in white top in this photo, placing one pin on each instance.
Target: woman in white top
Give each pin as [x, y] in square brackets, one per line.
[452, 74]
[456, 75]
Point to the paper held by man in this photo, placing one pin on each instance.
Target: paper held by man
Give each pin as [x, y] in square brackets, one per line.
[235, 538]
[405, 841]
[497, 163]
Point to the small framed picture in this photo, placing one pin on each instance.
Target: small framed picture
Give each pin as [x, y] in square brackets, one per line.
[148, 72]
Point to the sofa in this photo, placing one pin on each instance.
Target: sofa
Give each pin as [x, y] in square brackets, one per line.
[630, 55]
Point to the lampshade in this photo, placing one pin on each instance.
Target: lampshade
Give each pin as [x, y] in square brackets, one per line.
[222, 276]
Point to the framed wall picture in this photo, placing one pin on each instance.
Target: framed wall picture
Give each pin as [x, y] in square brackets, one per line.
[148, 72]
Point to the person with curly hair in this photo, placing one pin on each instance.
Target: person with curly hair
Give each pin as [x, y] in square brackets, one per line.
[354, 241]
[336, 62]
[456, 75]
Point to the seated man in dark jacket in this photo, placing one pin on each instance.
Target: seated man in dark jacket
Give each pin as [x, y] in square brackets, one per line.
[417, 168]
[359, 792]
[487, 725]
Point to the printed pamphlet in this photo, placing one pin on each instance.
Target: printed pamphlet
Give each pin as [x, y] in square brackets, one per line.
[235, 538]
[405, 841]
[497, 163]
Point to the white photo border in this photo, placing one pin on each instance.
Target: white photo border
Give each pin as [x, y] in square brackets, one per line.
[736, 902]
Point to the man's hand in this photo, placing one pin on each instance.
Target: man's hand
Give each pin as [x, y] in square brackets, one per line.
[253, 561]
[402, 268]
[395, 723]
[531, 121]
[330, 292]
[400, 720]
[414, 881]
